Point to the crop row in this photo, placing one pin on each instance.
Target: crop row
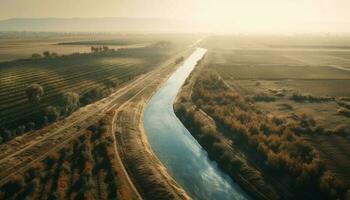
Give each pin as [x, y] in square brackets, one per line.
[57, 81]
[24, 110]
[84, 169]
[43, 75]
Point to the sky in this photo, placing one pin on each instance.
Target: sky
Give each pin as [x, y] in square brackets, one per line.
[226, 15]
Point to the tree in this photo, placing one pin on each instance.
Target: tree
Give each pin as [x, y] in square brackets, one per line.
[105, 48]
[7, 135]
[70, 102]
[31, 126]
[36, 55]
[46, 54]
[52, 113]
[34, 93]
[54, 54]
[330, 185]
[21, 129]
[111, 83]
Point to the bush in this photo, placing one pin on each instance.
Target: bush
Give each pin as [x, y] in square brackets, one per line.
[276, 139]
[46, 54]
[263, 97]
[92, 95]
[331, 186]
[341, 130]
[15, 184]
[20, 129]
[36, 55]
[52, 113]
[34, 93]
[343, 111]
[111, 83]
[70, 102]
[309, 98]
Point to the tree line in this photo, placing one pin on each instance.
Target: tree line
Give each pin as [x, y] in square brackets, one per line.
[68, 103]
[277, 140]
[83, 169]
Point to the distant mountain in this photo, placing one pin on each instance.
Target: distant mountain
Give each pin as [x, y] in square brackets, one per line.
[93, 24]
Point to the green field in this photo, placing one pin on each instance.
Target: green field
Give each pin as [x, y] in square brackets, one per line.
[78, 73]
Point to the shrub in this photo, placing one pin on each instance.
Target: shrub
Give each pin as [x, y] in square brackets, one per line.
[32, 185]
[20, 129]
[70, 102]
[92, 95]
[263, 97]
[46, 54]
[34, 93]
[331, 186]
[309, 98]
[276, 139]
[111, 83]
[30, 126]
[7, 135]
[218, 149]
[52, 113]
[53, 54]
[341, 130]
[15, 184]
[343, 111]
[36, 55]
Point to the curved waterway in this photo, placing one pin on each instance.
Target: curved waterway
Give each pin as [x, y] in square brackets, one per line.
[186, 161]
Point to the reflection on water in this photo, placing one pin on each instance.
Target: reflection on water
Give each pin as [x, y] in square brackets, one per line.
[180, 153]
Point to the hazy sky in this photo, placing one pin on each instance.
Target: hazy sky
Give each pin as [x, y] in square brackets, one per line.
[241, 15]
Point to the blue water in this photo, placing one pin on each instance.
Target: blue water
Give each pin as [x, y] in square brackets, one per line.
[184, 158]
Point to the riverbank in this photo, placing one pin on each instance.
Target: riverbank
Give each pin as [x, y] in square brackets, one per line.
[186, 161]
[249, 179]
[146, 172]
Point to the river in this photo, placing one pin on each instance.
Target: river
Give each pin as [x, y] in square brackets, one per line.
[186, 161]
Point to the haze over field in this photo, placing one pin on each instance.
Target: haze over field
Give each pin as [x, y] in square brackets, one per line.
[175, 99]
[248, 16]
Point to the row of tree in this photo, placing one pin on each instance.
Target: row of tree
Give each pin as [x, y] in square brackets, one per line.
[84, 169]
[277, 140]
[101, 49]
[48, 54]
[68, 103]
[45, 54]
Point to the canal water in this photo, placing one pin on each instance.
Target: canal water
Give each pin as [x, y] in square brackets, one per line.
[186, 161]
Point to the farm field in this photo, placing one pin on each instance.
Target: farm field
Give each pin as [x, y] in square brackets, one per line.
[76, 156]
[282, 74]
[281, 82]
[15, 45]
[94, 74]
[86, 167]
[297, 84]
